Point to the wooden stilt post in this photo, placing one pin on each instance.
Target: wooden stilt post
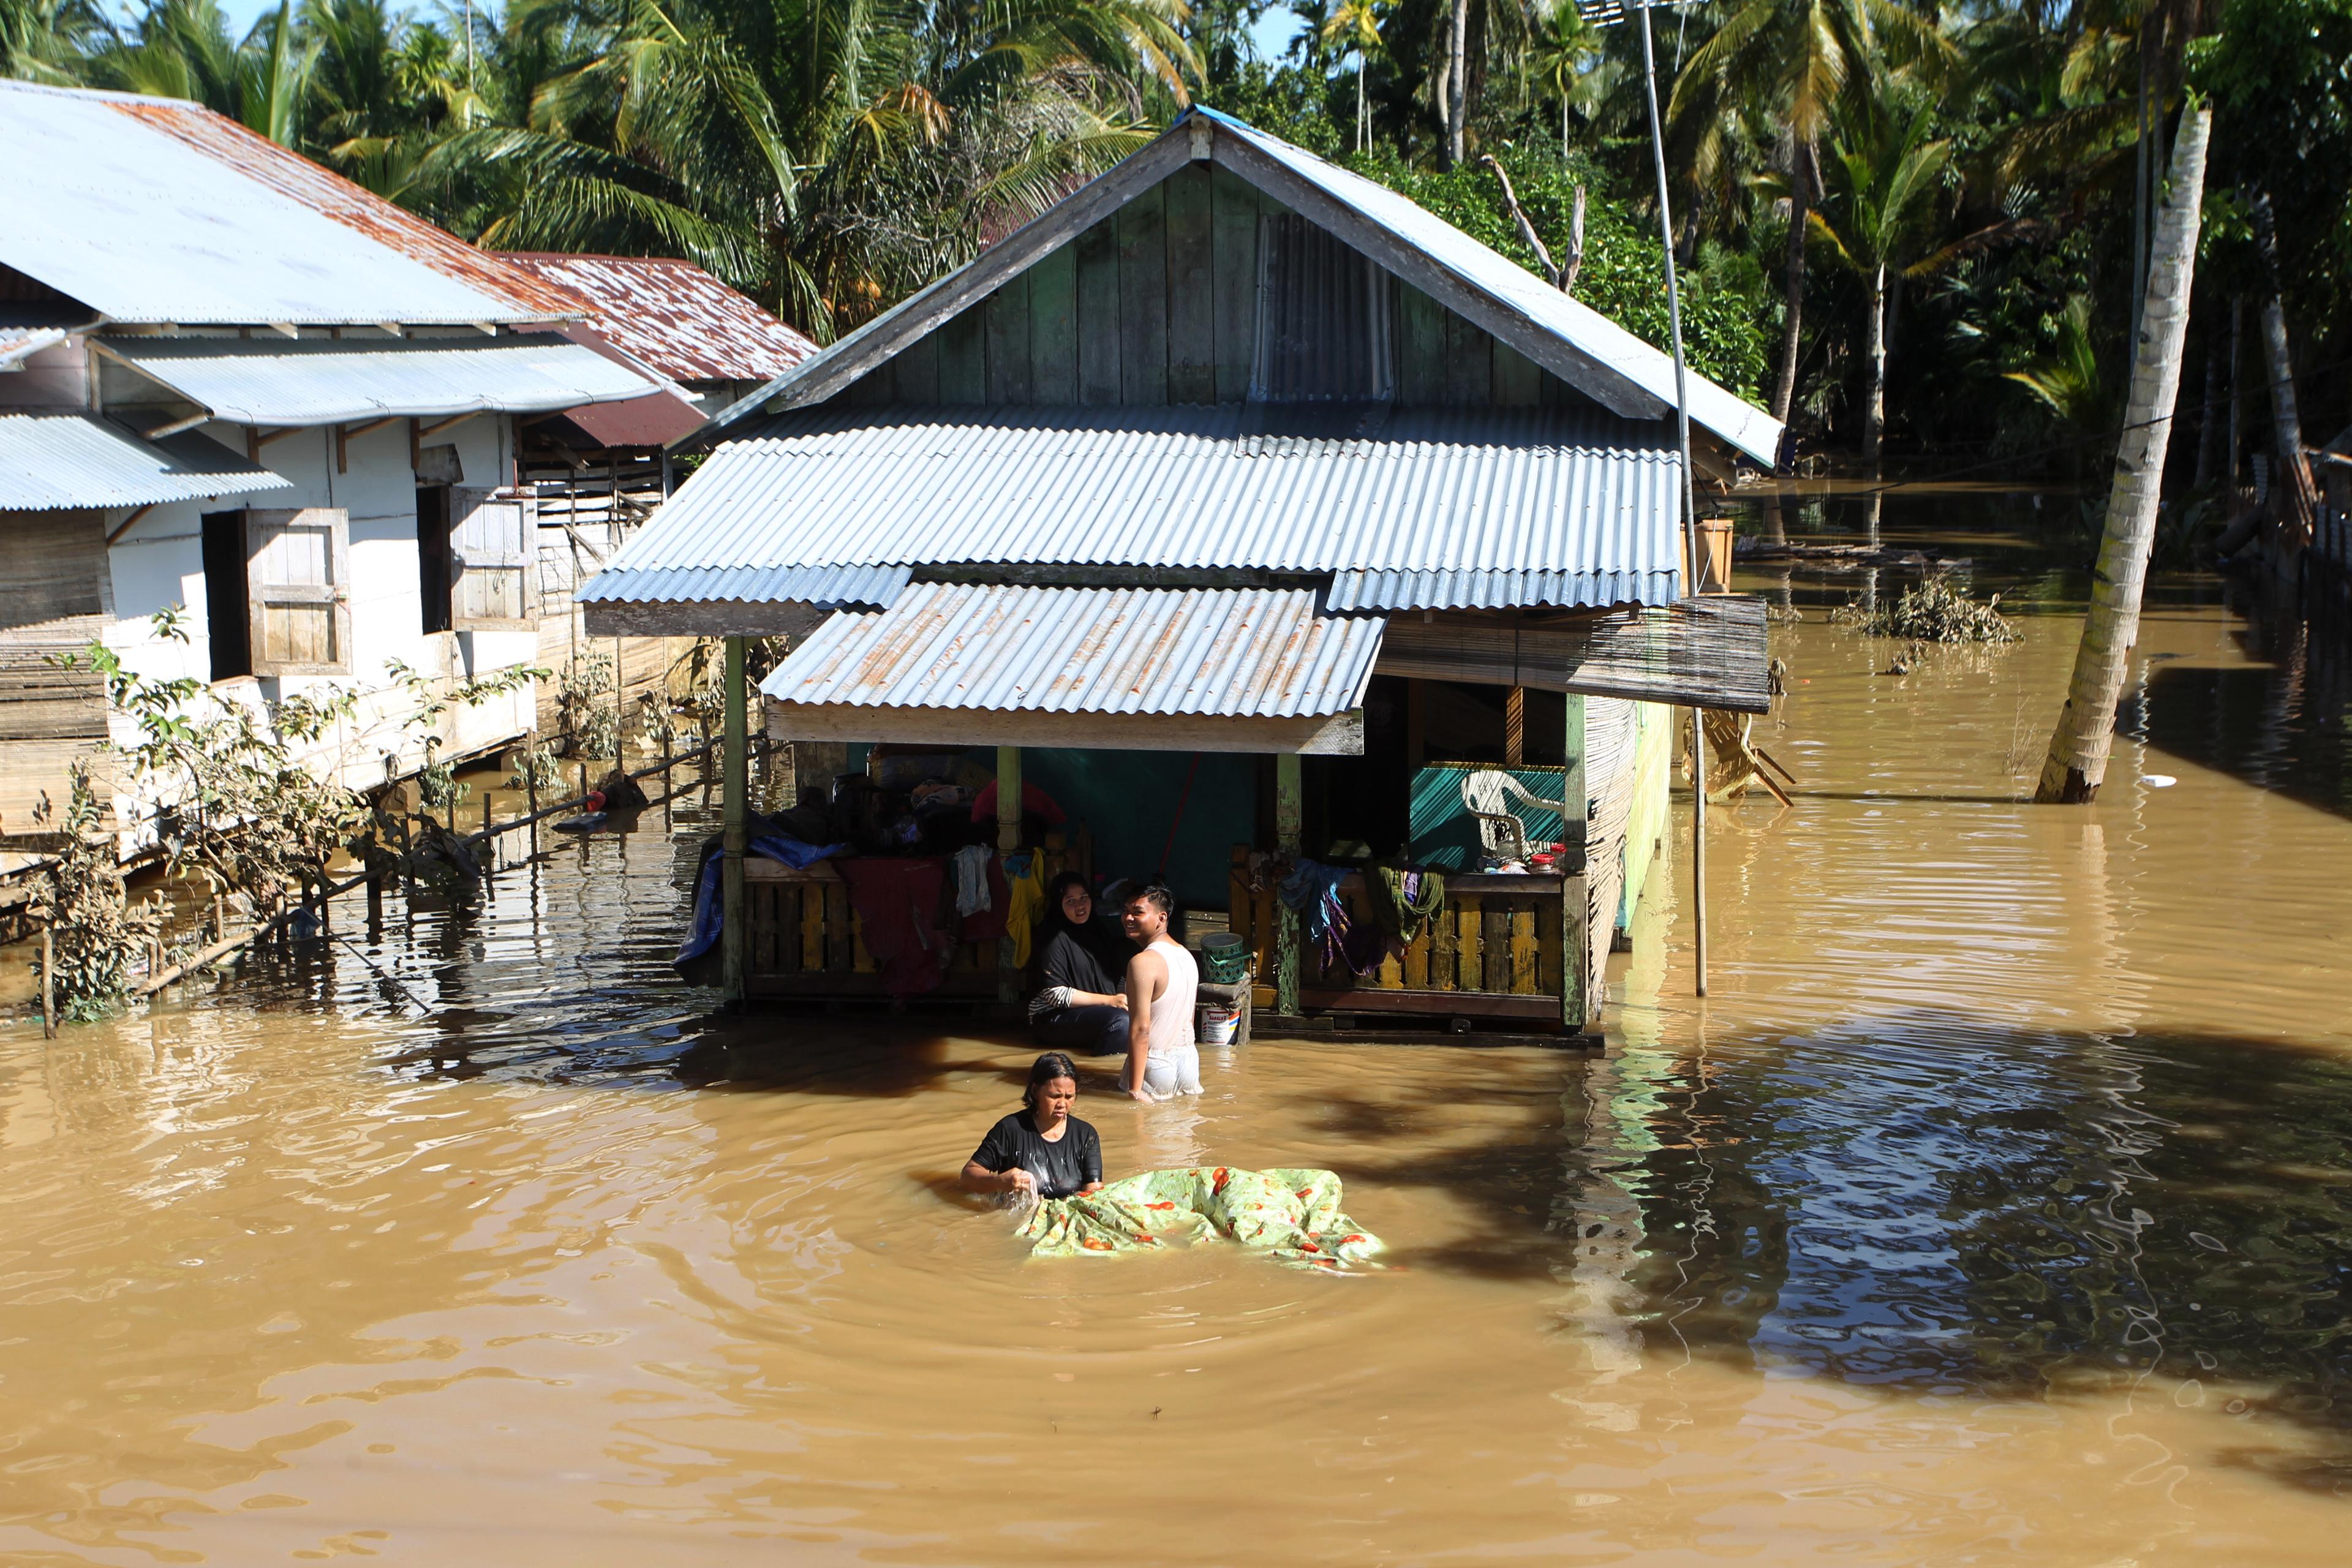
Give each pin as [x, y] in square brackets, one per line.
[1575, 919]
[736, 788]
[1287, 797]
[1698, 851]
[49, 990]
[1009, 788]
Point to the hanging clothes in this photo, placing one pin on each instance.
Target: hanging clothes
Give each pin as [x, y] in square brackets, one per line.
[1404, 902]
[1313, 889]
[970, 864]
[897, 903]
[987, 923]
[1025, 884]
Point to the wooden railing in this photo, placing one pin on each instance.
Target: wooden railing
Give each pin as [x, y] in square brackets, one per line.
[807, 941]
[1494, 951]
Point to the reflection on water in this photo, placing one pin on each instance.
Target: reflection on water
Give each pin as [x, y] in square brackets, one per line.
[1994, 1204]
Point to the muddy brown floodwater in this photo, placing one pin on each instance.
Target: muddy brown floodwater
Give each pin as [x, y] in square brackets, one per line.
[1993, 1208]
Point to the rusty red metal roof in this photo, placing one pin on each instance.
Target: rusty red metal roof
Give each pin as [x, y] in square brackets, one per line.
[325, 192]
[671, 316]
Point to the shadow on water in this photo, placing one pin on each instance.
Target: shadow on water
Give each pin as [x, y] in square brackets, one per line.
[2086, 1210]
[2283, 727]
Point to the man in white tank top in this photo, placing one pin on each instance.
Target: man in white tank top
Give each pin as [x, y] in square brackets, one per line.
[1162, 979]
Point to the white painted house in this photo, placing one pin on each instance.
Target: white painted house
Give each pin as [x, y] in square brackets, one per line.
[233, 382]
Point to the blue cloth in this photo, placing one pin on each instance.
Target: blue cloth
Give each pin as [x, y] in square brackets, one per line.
[702, 933]
[1313, 889]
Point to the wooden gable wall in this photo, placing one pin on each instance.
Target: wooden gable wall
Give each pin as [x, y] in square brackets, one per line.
[1157, 304]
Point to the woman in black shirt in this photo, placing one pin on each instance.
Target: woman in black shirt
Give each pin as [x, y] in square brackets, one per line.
[1081, 969]
[1041, 1148]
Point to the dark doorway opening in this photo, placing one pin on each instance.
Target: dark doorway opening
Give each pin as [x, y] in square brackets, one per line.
[227, 615]
[433, 555]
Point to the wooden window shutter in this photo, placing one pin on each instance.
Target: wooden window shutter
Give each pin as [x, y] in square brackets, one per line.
[493, 540]
[298, 566]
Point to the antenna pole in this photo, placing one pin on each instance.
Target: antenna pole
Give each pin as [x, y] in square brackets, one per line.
[1690, 496]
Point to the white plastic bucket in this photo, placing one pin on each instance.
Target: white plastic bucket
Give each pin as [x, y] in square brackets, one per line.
[1218, 1024]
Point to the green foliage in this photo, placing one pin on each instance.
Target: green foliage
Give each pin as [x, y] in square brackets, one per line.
[95, 936]
[1724, 307]
[583, 706]
[1933, 612]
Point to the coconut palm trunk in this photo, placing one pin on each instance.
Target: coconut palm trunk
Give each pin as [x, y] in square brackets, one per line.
[1458, 83]
[2078, 763]
[1792, 323]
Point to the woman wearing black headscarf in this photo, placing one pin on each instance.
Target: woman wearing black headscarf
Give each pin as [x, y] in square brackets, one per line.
[1081, 968]
[1041, 1148]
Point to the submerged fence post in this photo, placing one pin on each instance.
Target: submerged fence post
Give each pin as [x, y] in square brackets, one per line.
[733, 949]
[1287, 811]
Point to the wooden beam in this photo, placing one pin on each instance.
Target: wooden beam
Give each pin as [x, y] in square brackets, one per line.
[369, 426]
[1008, 839]
[702, 618]
[259, 438]
[176, 425]
[1340, 734]
[1287, 828]
[1575, 919]
[125, 525]
[735, 786]
[440, 425]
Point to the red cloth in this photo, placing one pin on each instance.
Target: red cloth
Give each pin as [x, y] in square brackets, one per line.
[1035, 802]
[898, 903]
[989, 923]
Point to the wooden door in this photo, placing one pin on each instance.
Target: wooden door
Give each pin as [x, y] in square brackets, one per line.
[298, 566]
[493, 538]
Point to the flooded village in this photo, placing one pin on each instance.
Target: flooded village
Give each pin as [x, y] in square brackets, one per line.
[1293, 839]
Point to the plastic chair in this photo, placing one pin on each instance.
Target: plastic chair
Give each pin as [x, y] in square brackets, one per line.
[1487, 796]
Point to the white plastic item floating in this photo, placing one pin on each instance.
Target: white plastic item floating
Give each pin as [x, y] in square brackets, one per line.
[2159, 781]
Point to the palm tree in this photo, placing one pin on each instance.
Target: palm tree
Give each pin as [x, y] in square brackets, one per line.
[1560, 60]
[1789, 61]
[1884, 172]
[1357, 23]
[182, 48]
[824, 159]
[46, 40]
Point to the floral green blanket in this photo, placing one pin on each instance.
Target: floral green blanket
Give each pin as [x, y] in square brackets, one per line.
[1293, 1215]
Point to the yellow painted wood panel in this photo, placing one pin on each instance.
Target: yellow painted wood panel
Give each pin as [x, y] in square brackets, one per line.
[1468, 942]
[1523, 952]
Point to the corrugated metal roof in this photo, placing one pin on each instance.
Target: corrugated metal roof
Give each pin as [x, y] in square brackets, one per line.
[820, 585]
[1227, 653]
[1503, 490]
[1594, 335]
[1473, 589]
[16, 343]
[353, 206]
[671, 316]
[250, 381]
[110, 202]
[49, 461]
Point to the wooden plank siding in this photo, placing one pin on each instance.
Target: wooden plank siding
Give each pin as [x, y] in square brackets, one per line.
[1157, 304]
[50, 717]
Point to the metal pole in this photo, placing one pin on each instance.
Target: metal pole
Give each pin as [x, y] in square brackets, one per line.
[1690, 502]
[735, 786]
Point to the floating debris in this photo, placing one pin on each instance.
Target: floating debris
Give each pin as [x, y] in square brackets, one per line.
[1933, 612]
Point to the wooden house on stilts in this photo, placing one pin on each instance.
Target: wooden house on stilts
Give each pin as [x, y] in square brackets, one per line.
[1246, 512]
